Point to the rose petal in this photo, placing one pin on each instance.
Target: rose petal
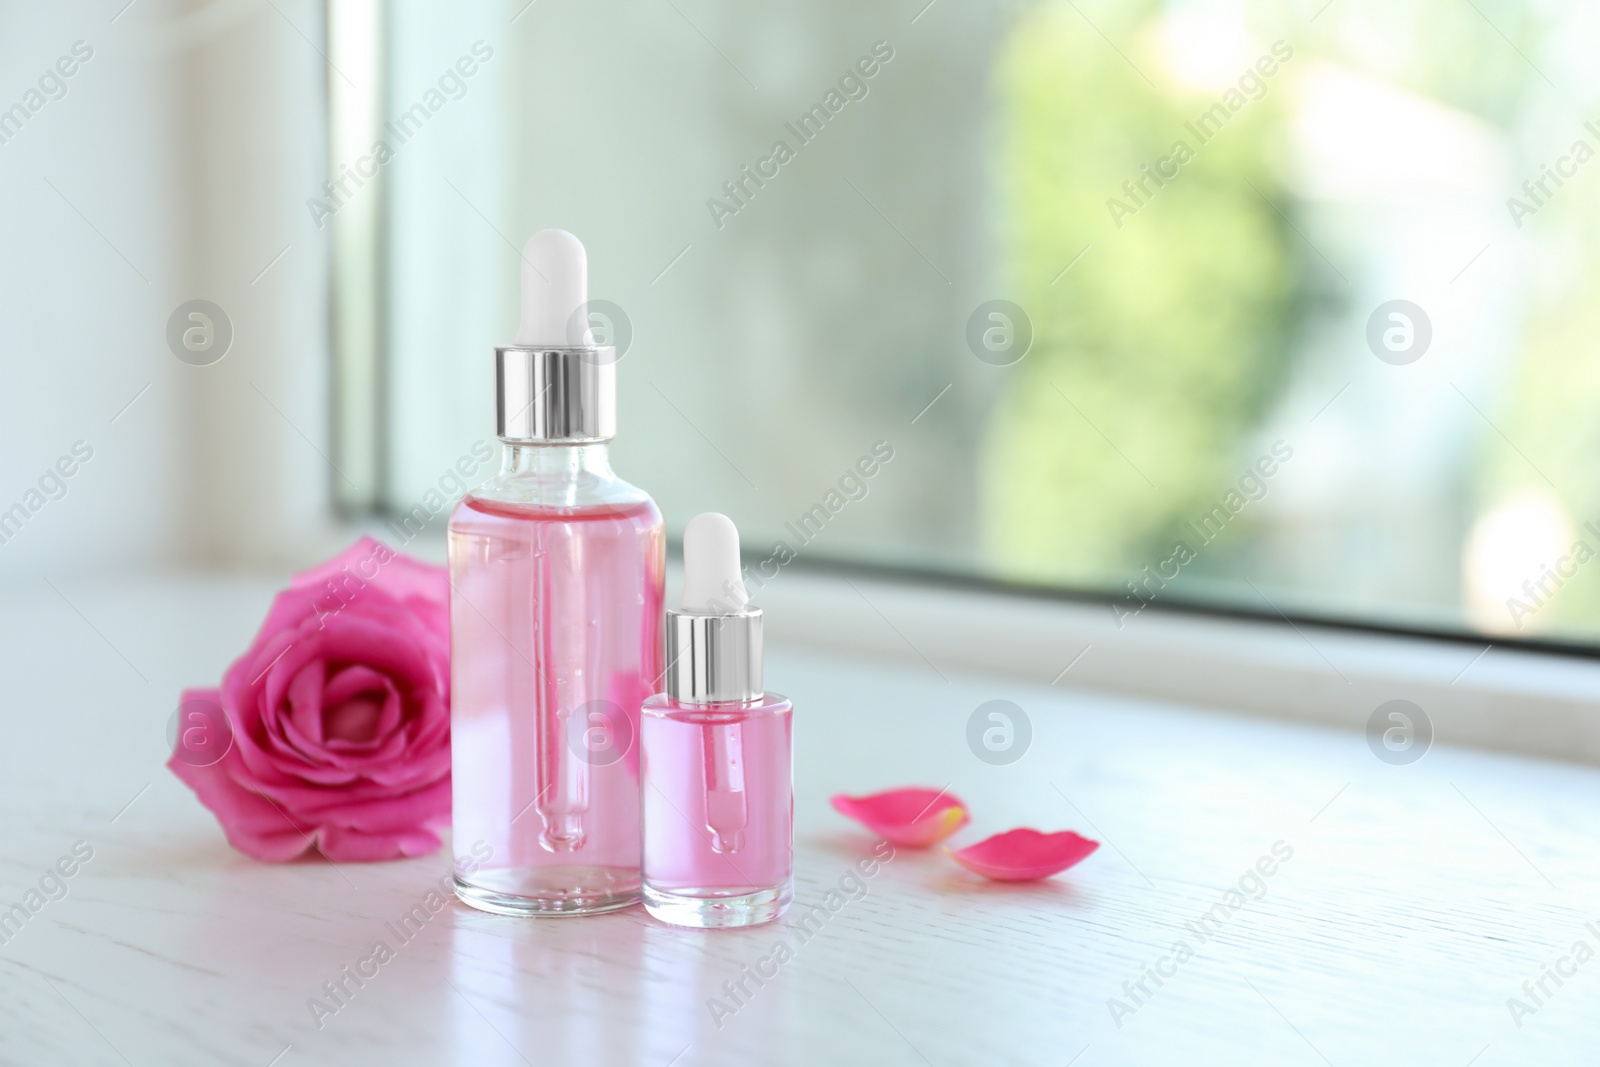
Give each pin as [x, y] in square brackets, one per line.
[344, 845]
[337, 822]
[371, 561]
[1023, 855]
[387, 812]
[353, 723]
[251, 822]
[360, 686]
[304, 697]
[913, 817]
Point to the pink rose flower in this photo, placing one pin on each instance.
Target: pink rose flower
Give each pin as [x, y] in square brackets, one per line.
[333, 731]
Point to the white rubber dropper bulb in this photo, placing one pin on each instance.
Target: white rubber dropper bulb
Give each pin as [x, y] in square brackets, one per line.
[712, 584]
[555, 285]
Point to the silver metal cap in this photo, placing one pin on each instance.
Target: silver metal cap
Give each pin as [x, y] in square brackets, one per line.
[713, 658]
[555, 394]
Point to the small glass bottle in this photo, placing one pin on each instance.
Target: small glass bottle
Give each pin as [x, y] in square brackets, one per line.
[557, 570]
[716, 754]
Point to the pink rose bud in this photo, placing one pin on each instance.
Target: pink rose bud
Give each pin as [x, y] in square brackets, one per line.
[337, 720]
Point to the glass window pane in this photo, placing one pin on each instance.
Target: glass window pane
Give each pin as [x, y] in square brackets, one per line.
[1277, 306]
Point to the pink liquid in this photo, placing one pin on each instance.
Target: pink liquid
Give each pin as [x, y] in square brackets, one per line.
[718, 797]
[555, 618]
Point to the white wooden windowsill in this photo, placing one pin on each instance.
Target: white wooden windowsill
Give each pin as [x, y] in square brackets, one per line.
[1418, 898]
[1498, 697]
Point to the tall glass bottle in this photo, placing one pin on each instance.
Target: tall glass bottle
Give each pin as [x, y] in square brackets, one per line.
[557, 568]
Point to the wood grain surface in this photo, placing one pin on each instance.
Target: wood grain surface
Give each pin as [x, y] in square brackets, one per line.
[1415, 902]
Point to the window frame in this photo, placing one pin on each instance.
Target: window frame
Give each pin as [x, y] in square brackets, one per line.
[360, 425]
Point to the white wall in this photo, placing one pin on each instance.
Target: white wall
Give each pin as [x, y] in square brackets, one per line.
[186, 146]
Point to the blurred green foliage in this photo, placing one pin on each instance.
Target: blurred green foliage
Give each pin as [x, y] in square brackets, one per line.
[1155, 356]
[1550, 405]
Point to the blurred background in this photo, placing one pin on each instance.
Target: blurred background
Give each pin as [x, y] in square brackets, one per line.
[1268, 306]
